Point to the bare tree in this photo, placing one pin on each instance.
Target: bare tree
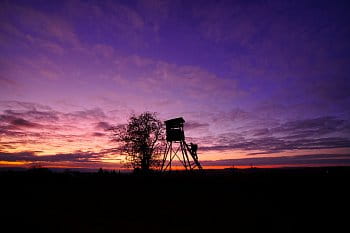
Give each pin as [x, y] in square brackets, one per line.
[141, 140]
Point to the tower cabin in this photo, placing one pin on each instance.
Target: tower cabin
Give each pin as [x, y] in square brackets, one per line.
[174, 129]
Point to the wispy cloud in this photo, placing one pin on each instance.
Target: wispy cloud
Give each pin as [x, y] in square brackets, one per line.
[19, 122]
[103, 125]
[191, 125]
[31, 157]
[29, 126]
[309, 134]
[299, 160]
[167, 80]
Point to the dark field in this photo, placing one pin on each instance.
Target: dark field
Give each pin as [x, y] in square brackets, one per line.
[253, 200]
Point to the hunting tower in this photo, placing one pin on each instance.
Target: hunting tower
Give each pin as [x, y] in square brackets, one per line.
[177, 147]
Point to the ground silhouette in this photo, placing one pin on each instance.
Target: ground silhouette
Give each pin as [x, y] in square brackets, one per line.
[250, 200]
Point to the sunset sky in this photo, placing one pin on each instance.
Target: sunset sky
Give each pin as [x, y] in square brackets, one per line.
[258, 82]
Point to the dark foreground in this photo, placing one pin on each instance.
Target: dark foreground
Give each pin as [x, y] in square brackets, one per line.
[275, 200]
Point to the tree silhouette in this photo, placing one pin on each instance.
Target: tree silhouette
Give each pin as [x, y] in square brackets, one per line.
[141, 140]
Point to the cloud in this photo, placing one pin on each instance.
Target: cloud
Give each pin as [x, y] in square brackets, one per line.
[236, 114]
[98, 134]
[166, 80]
[103, 125]
[11, 110]
[11, 123]
[190, 125]
[261, 132]
[33, 23]
[22, 105]
[83, 157]
[314, 159]
[23, 123]
[47, 116]
[310, 128]
[21, 119]
[29, 126]
[92, 114]
[308, 134]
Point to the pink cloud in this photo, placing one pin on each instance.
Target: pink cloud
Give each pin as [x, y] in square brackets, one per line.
[28, 126]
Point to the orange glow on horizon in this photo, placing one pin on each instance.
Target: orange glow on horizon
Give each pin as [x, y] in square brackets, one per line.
[15, 163]
[102, 158]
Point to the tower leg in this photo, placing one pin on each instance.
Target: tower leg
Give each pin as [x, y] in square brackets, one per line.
[165, 156]
[185, 159]
[184, 151]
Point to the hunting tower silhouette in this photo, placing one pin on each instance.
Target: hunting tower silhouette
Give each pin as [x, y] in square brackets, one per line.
[177, 147]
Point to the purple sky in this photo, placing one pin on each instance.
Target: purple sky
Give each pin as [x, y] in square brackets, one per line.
[255, 80]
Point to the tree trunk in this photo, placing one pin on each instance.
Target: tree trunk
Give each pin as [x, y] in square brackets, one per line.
[145, 162]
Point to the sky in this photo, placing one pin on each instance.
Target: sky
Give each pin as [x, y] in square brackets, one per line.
[262, 83]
